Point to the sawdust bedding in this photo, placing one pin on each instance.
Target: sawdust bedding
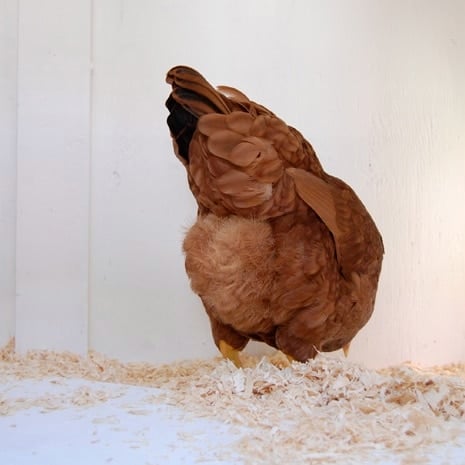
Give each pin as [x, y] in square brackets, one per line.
[315, 411]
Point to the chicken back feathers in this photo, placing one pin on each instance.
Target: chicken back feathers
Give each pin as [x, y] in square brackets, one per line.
[281, 252]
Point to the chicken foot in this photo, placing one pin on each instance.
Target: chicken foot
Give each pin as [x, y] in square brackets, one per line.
[346, 349]
[230, 353]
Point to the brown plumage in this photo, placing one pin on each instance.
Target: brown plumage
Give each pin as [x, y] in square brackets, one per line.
[281, 251]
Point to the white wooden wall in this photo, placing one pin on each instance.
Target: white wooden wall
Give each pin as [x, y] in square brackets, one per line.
[93, 204]
[8, 59]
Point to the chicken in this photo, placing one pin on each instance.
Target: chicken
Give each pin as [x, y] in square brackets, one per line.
[281, 251]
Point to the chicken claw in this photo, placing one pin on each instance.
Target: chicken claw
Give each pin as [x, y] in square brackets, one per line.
[230, 353]
[346, 348]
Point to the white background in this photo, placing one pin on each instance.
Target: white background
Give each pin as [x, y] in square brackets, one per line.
[93, 204]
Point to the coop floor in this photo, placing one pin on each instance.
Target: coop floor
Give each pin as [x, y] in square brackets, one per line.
[76, 422]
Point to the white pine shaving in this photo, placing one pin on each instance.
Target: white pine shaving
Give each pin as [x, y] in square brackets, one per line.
[315, 412]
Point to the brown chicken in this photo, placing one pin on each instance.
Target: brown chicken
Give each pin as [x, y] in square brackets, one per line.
[281, 251]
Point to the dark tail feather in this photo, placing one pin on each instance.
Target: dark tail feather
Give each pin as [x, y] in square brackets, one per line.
[182, 124]
[192, 96]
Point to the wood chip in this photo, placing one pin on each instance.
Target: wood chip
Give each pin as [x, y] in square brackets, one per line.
[315, 412]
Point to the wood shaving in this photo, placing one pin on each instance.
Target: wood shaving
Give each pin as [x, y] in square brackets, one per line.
[303, 413]
[82, 396]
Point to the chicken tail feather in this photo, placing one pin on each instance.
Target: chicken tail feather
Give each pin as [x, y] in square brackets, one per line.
[192, 97]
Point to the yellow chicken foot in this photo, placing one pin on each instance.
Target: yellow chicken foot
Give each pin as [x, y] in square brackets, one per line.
[230, 353]
[345, 349]
[281, 360]
[290, 358]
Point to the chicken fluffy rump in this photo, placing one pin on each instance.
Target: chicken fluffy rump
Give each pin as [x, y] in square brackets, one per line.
[281, 252]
